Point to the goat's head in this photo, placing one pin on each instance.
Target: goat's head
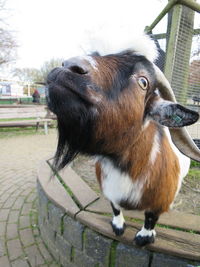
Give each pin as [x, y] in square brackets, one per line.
[100, 100]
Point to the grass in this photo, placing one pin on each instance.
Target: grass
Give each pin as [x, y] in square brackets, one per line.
[194, 173]
[18, 119]
[195, 164]
[20, 131]
[17, 131]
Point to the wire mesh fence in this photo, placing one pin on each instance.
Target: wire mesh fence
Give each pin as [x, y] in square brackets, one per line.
[179, 57]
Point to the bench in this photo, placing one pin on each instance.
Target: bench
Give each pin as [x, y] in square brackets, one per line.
[34, 115]
[196, 100]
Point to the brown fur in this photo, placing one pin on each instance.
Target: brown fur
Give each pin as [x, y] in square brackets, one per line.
[162, 177]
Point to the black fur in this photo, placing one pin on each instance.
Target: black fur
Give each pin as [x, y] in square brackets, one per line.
[149, 224]
[127, 64]
[74, 113]
[118, 231]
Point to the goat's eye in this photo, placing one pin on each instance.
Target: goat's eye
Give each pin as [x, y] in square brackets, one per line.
[143, 83]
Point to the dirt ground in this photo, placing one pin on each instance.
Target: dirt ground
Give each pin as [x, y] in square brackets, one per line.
[188, 199]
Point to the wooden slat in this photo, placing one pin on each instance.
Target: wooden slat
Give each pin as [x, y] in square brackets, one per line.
[10, 106]
[22, 115]
[25, 112]
[23, 123]
[168, 241]
[172, 218]
[55, 191]
[21, 110]
[81, 191]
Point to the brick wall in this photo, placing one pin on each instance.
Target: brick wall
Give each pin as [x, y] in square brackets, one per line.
[74, 245]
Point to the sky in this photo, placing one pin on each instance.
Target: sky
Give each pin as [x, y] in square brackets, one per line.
[48, 29]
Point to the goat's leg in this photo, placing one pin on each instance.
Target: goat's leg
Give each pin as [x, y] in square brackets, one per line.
[118, 222]
[147, 234]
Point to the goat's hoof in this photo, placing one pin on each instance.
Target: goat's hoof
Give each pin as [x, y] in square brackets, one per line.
[116, 230]
[144, 238]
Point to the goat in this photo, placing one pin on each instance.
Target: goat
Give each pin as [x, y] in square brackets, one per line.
[118, 108]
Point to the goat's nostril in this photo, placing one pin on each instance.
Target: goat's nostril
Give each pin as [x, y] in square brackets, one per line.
[78, 69]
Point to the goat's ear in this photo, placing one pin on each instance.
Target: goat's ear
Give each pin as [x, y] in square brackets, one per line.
[172, 114]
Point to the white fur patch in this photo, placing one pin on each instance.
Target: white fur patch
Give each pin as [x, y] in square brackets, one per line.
[144, 232]
[91, 61]
[111, 42]
[155, 148]
[118, 220]
[184, 161]
[118, 186]
[146, 123]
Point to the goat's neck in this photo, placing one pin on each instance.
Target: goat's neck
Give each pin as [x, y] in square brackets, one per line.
[134, 152]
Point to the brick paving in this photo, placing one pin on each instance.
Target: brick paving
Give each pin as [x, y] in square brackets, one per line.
[20, 241]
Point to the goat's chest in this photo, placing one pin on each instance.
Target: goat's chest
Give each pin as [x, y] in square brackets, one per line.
[117, 186]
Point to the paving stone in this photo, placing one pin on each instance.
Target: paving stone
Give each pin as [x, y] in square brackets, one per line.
[55, 265]
[18, 182]
[37, 236]
[31, 197]
[2, 228]
[12, 231]
[4, 214]
[2, 247]
[14, 249]
[9, 202]
[26, 208]
[18, 203]
[131, 257]
[24, 221]
[4, 261]
[34, 256]
[5, 196]
[13, 216]
[26, 237]
[26, 191]
[20, 263]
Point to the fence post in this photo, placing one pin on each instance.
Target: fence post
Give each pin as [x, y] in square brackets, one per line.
[178, 50]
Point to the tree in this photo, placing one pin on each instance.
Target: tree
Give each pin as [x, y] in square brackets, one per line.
[34, 75]
[8, 42]
[194, 78]
[196, 52]
[31, 75]
[49, 65]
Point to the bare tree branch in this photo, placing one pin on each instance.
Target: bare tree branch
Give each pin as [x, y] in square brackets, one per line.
[37, 75]
[8, 44]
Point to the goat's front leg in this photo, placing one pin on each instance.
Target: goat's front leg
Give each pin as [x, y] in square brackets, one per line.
[147, 234]
[118, 222]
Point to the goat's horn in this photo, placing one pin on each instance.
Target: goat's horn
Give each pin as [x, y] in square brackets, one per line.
[180, 136]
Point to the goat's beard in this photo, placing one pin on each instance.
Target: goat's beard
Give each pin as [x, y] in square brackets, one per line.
[64, 153]
[74, 137]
